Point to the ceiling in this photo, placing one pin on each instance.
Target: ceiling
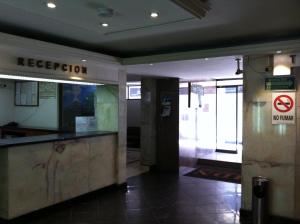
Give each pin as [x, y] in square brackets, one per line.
[198, 69]
[131, 31]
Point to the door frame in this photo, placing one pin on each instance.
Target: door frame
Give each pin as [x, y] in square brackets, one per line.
[236, 113]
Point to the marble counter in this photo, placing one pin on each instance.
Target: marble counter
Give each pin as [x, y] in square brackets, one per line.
[55, 168]
[51, 138]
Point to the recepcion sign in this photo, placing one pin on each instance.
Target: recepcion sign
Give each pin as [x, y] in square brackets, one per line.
[283, 108]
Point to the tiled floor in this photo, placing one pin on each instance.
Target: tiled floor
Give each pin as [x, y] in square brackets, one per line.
[153, 198]
[134, 166]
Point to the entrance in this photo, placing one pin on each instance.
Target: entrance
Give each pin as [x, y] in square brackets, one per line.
[211, 120]
[229, 116]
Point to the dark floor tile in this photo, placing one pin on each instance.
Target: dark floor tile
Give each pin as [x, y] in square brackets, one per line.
[137, 216]
[154, 198]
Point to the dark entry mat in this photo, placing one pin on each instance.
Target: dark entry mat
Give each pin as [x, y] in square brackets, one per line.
[217, 173]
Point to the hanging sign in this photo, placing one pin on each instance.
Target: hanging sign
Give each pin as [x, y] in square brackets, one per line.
[283, 108]
[280, 83]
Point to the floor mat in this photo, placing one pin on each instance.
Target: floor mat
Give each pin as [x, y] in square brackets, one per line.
[217, 173]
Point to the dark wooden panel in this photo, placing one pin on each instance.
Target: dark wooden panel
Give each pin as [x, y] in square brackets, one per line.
[168, 126]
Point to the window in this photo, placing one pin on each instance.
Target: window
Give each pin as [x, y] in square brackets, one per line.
[133, 90]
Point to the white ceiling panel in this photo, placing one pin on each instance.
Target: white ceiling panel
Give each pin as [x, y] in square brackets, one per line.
[131, 32]
[199, 69]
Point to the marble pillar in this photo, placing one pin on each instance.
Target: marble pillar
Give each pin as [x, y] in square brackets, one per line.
[122, 129]
[148, 121]
[296, 72]
[269, 150]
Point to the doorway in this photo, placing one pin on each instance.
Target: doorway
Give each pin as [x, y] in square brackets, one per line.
[229, 112]
[211, 120]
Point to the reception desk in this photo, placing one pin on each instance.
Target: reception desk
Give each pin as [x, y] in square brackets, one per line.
[16, 131]
[40, 171]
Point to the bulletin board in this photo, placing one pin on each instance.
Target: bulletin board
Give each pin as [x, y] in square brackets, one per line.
[26, 93]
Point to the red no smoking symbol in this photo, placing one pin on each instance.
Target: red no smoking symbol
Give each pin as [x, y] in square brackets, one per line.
[283, 103]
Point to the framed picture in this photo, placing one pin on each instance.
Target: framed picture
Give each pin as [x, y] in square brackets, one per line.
[134, 92]
[27, 93]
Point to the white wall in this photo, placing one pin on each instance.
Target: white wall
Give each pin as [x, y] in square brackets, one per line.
[6, 100]
[100, 68]
[43, 116]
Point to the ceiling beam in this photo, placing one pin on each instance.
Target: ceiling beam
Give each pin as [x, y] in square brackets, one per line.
[288, 46]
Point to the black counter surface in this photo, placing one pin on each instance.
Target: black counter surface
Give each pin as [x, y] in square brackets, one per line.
[51, 138]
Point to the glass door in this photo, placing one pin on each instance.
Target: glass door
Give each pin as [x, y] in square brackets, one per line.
[214, 118]
[240, 118]
[227, 118]
[198, 122]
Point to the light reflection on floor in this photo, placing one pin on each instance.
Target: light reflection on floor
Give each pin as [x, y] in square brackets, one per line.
[190, 149]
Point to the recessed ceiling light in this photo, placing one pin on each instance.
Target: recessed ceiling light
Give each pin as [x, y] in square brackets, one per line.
[51, 5]
[278, 52]
[104, 24]
[154, 14]
[83, 60]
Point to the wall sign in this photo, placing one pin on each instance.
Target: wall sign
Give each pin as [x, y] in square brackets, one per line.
[37, 63]
[26, 93]
[280, 83]
[47, 90]
[283, 108]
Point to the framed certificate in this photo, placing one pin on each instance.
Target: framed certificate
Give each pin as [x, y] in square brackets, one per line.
[26, 93]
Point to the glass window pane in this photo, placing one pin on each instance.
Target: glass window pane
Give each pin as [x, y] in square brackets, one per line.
[199, 121]
[226, 118]
[134, 92]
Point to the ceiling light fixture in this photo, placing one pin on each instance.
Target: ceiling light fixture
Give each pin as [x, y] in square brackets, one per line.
[154, 14]
[27, 78]
[83, 60]
[104, 24]
[282, 64]
[238, 70]
[51, 5]
[278, 52]
[75, 78]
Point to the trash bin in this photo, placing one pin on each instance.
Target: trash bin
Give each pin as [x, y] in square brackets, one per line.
[260, 207]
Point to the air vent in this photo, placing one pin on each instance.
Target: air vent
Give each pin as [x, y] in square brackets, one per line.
[105, 12]
[198, 8]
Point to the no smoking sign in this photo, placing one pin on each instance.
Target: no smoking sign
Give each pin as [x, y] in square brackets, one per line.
[283, 108]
